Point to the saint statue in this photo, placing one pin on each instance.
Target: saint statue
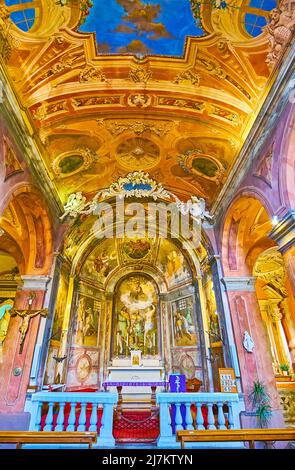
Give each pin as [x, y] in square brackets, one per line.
[5, 308]
[248, 342]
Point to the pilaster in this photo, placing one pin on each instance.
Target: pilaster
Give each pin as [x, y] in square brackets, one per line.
[17, 363]
[256, 364]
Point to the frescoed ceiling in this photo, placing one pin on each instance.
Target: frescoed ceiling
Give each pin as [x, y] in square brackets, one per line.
[142, 27]
[122, 85]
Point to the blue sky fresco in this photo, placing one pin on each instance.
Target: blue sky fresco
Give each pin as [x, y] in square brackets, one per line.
[141, 26]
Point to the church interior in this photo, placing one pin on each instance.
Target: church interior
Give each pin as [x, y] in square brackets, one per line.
[147, 219]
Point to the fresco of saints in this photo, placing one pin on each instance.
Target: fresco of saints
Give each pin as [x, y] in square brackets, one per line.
[136, 326]
[149, 330]
[123, 326]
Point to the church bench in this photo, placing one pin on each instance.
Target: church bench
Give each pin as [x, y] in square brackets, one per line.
[236, 435]
[52, 437]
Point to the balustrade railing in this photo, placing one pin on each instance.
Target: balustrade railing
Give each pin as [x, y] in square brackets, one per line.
[199, 411]
[62, 411]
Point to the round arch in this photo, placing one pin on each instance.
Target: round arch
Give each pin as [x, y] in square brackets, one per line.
[27, 225]
[244, 233]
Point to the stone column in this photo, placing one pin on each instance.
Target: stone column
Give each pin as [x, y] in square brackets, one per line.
[230, 353]
[264, 308]
[165, 334]
[108, 333]
[16, 367]
[275, 317]
[289, 321]
[64, 347]
[284, 235]
[255, 365]
[44, 336]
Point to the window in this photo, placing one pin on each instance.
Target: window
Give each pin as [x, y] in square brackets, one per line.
[23, 19]
[253, 21]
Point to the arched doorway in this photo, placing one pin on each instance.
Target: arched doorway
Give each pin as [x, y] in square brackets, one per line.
[256, 280]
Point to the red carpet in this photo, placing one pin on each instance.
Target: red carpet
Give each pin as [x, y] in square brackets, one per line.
[137, 426]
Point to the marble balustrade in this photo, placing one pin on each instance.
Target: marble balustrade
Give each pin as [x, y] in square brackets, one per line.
[78, 405]
[199, 411]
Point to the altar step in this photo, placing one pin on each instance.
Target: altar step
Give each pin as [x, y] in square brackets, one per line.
[136, 405]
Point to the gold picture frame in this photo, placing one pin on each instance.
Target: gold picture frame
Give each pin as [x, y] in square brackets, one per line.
[136, 358]
[227, 381]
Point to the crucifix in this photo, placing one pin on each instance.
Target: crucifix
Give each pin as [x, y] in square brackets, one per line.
[26, 316]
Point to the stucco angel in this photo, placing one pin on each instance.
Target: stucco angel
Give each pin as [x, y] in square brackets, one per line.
[76, 203]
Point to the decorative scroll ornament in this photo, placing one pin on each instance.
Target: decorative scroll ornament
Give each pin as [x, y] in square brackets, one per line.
[137, 184]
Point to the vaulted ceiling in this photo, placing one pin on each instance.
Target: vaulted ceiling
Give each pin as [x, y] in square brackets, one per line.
[153, 88]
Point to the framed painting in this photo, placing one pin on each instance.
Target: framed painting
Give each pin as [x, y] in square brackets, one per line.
[135, 358]
[227, 379]
[184, 328]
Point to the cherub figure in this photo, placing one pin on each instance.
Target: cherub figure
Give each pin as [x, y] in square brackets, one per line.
[75, 204]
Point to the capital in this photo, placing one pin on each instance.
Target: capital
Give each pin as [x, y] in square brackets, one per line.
[239, 283]
[284, 232]
[34, 282]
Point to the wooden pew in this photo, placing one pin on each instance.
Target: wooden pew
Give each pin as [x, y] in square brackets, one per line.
[236, 435]
[31, 437]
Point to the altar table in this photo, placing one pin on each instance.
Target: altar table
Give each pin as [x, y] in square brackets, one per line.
[121, 384]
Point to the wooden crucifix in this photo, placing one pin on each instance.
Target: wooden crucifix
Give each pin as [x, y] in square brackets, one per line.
[26, 316]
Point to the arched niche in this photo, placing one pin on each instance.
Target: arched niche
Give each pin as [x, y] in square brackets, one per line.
[100, 269]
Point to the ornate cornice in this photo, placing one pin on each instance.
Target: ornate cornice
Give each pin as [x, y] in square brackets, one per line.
[241, 284]
[34, 282]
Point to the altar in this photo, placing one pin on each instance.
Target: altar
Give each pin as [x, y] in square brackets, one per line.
[149, 373]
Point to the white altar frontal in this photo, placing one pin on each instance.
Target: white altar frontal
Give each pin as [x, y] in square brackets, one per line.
[128, 370]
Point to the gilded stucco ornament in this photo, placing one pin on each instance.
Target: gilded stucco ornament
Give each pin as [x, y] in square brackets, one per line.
[117, 127]
[280, 30]
[72, 162]
[140, 100]
[196, 162]
[137, 184]
[270, 268]
[188, 76]
[140, 75]
[92, 74]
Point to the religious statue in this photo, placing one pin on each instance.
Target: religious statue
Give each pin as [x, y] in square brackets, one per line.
[248, 342]
[75, 204]
[280, 30]
[26, 316]
[5, 309]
